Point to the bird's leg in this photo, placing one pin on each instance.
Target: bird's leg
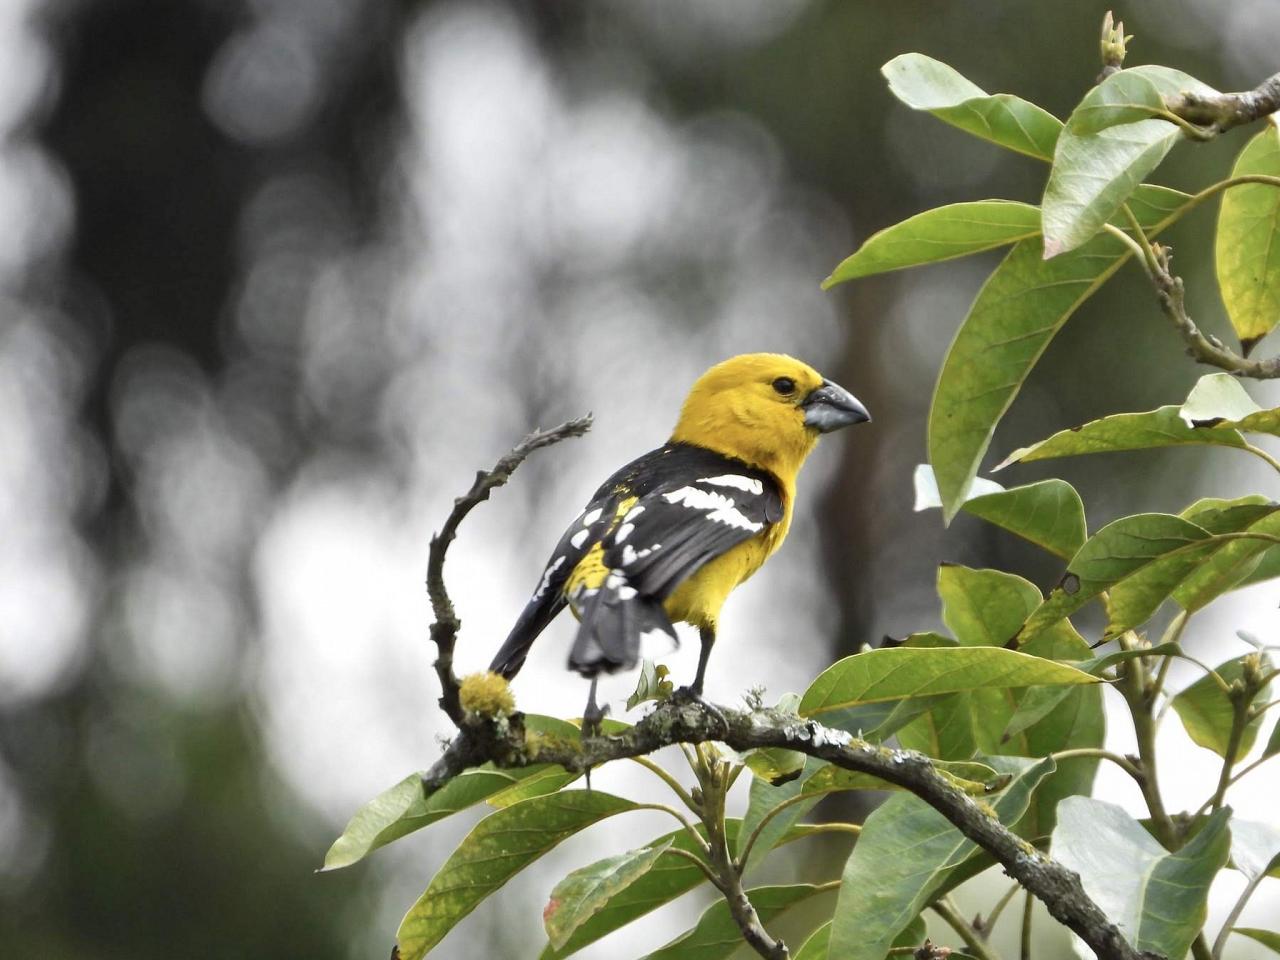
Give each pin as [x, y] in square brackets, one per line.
[693, 693]
[593, 713]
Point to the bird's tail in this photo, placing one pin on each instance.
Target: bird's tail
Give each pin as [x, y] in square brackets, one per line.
[614, 620]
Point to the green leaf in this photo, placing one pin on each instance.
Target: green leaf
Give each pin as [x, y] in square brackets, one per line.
[1144, 556]
[1255, 847]
[586, 891]
[404, 808]
[1218, 403]
[1123, 97]
[775, 765]
[1268, 938]
[891, 674]
[1095, 170]
[717, 935]
[1162, 427]
[1049, 514]
[1234, 561]
[1207, 712]
[923, 83]
[943, 233]
[906, 853]
[1040, 701]
[1094, 175]
[652, 684]
[497, 848]
[1156, 898]
[984, 607]
[763, 799]
[815, 947]
[1015, 315]
[1273, 742]
[1247, 246]
[670, 877]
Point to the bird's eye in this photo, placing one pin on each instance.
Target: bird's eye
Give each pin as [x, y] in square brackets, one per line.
[785, 386]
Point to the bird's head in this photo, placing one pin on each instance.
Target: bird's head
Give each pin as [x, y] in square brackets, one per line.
[767, 409]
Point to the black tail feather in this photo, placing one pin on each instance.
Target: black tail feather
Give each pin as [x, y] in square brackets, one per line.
[611, 628]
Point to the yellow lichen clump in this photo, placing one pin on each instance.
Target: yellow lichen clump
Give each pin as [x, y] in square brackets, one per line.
[486, 694]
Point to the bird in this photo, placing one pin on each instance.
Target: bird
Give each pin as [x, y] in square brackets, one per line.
[669, 536]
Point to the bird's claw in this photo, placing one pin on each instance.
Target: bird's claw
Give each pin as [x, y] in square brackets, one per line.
[690, 695]
[592, 718]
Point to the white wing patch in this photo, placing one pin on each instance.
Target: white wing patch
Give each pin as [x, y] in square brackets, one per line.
[579, 538]
[721, 508]
[737, 481]
[591, 517]
[547, 574]
[630, 554]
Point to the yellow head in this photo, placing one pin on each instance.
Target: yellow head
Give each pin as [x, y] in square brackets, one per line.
[766, 409]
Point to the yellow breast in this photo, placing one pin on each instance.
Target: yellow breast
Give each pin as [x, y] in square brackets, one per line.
[698, 599]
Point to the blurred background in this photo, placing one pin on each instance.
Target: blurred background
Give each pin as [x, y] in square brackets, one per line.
[277, 276]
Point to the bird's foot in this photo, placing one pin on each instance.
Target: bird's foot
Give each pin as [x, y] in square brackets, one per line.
[592, 719]
[693, 695]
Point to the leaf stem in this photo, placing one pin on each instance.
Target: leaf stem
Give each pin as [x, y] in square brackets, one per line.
[998, 909]
[1122, 762]
[1263, 455]
[684, 822]
[1024, 943]
[1220, 943]
[670, 781]
[946, 909]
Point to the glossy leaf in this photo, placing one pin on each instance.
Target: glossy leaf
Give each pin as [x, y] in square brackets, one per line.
[1153, 550]
[405, 807]
[671, 876]
[891, 674]
[1020, 308]
[1247, 246]
[1049, 514]
[1234, 561]
[1207, 712]
[497, 848]
[586, 891]
[1151, 429]
[1123, 97]
[1095, 170]
[923, 83]
[984, 607]
[943, 233]
[906, 853]
[1156, 898]
[716, 934]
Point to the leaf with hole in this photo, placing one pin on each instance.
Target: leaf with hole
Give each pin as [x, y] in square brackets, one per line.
[923, 83]
[943, 233]
[1218, 403]
[1247, 244]
[1158, 899]
[1143, 557]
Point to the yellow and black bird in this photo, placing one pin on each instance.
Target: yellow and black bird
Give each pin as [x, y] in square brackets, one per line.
[670, 535]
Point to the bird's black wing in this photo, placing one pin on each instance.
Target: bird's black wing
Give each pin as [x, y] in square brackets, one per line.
[694, 505]
[690, 506]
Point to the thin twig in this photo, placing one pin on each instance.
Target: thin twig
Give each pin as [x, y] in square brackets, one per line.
[1024, 951]
[444, 631]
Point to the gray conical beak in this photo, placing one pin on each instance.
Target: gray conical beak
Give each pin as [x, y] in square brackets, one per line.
[831, 407]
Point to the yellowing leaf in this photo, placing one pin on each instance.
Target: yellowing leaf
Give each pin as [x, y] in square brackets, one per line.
[1247, 246]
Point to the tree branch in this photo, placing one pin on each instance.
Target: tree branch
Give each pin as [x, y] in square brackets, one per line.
[444, 630]
[504, 743]
[1221, 111]
[1205, 349]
